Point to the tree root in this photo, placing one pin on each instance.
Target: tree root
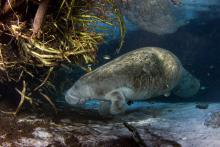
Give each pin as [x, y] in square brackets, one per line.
[39, 18]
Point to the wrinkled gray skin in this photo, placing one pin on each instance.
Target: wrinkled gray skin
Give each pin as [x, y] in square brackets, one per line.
[138, 75]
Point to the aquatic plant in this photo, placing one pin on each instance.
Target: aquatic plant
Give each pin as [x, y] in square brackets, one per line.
[37, 37]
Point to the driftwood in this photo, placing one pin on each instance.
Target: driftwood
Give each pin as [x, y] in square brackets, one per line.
[39, 17]
[136, 135]
[150, 139]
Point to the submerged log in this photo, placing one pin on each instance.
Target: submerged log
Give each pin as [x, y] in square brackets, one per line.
[39, 17]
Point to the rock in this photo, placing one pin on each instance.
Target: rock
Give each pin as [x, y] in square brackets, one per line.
[88, 129]
[71, 127]
[213, 120]
[144, 137]
[156, 16]
[202, 106]
[167, 16]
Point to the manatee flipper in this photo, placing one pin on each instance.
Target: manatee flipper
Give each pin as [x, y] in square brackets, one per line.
[118, 102]
[104, 108]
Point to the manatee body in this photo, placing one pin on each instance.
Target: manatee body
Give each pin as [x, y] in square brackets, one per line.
[137, 75]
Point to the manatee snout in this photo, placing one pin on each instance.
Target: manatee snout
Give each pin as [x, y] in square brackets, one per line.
[71, 97]
[78, 93]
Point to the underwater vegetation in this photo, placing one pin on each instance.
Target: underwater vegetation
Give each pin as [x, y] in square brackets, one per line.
[163, 84]
[37, 37]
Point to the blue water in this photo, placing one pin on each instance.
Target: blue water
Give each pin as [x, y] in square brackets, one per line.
[195, 44]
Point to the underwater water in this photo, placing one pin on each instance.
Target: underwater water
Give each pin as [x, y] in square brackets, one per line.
[195, 44]
[167, 120]
[192, 121]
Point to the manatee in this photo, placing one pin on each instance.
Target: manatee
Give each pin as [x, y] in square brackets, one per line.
[137, 75]
[188, 85]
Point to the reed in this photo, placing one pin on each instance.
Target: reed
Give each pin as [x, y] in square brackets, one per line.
[37, 37]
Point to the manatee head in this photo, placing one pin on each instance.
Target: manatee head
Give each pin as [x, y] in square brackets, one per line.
[188, 85]
[78, 93]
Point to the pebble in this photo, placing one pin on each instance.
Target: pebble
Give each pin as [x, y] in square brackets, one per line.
[202, 106]
[42, 133]
[106, 57]
[213, 120]
[67, 121]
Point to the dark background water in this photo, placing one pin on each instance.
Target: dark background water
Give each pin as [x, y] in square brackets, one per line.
[197, 45]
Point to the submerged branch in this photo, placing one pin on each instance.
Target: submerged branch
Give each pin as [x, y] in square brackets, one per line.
[136, 135]
[45, 80]
[39, 17]
[150, 139]
[50, 102]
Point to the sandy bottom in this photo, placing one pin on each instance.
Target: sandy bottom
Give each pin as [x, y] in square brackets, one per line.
[171, 123]
[182, 122]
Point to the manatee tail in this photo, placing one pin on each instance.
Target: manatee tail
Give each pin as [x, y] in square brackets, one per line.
[188, 85]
